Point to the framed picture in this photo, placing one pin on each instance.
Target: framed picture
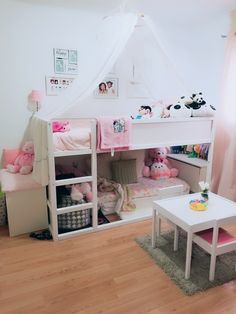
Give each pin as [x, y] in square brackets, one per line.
[108, 88]
[65, 61]
[57, 84]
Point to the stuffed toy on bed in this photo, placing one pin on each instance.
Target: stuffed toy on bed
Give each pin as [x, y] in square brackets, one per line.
[24, 161]
[199, 106]
[159, 170]
[157, 164]
[60, 126]
[144, 112]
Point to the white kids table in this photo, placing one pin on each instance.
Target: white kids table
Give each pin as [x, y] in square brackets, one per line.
[178, 212]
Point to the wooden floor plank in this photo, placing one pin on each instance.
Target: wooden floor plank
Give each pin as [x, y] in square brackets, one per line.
[103, 272]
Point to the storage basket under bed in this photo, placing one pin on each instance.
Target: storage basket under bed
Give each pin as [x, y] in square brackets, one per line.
[73, 220]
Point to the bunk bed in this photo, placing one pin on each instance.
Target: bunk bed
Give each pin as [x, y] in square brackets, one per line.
[145, 134]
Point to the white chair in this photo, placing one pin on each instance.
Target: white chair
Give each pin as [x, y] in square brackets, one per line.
[216, 241]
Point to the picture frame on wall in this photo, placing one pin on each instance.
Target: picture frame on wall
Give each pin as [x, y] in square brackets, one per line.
[55, 85]
[65, 61]
[108, 88]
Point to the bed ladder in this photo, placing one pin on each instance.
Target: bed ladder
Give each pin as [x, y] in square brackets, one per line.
[53, 210]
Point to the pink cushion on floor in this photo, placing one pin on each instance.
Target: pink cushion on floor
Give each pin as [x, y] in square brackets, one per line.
[223, 237]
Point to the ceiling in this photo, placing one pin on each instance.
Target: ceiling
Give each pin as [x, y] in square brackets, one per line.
[181, 13]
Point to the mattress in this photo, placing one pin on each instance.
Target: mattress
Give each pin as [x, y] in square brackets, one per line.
[145, 187]
[76, 138]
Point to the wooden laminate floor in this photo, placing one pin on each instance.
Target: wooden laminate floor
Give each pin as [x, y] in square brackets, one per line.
[103, 272]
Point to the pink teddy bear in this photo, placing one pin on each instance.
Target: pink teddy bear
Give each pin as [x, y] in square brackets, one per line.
[60, 126]
[157, 165]
[24, 161]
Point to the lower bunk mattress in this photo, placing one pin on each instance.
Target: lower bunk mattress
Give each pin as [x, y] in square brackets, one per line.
[143, 193]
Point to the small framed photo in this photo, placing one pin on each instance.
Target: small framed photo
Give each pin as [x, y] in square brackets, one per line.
[108, 88]
[57, 84]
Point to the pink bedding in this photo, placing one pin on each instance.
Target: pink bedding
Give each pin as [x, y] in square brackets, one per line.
[76, 138]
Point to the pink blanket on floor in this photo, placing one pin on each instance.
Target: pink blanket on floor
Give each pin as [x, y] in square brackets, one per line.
[114, 133]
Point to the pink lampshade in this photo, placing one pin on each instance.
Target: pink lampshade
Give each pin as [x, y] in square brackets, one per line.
[36, 96]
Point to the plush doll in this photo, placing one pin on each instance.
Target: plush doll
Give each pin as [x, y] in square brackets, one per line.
[180, 109]
[60, 126]
[157, 160]
[24, 161]
[200, 108]
[144, 112]
[159, 170]
[80, 191]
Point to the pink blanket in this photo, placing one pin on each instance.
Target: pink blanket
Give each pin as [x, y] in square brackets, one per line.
[114, 133]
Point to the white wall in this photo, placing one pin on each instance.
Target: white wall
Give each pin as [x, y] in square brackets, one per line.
[28, 34]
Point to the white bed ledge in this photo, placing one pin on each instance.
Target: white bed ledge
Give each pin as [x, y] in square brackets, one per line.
[171, 132]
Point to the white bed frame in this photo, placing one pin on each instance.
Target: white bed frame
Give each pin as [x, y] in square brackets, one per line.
[145, 134]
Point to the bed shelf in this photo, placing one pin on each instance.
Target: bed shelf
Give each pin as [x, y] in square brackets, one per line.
[73, 152]
[74, 208]
[73, 180]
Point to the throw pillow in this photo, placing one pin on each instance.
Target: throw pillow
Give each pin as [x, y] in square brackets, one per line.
[124, 171]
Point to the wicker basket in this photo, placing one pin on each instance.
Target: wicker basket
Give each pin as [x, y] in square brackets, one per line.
[73, 220]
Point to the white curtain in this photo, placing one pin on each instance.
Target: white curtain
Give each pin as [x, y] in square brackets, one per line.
[224, 157]
[111, 39]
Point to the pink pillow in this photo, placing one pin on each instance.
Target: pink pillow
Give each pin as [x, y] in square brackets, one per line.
[9, 156]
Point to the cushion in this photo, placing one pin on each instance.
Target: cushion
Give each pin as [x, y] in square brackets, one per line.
[124, 171]
[9, 156]
[104, 164]
[17, 182]
[139, 155]
[223, 236]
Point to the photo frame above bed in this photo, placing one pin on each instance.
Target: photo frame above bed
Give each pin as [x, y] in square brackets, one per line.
[108, 88]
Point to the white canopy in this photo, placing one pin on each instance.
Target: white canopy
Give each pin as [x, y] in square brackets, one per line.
[111, 40]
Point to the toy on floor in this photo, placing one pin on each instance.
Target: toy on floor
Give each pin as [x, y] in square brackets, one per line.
[80, 191]
[60, 126]
[24, 161]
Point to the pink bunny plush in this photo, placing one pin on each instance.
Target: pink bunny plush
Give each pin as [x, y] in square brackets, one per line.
[24, 161]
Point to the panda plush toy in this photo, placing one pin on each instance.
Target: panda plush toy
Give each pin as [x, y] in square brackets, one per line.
[200, 108]
[180, 109]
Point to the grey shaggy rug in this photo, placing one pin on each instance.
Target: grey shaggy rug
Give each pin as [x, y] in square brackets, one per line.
[173, 263]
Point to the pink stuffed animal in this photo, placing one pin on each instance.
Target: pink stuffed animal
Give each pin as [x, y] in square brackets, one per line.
[81, 190]
[158, 155]
[159, 170]
[60, 126]
[24, 161]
